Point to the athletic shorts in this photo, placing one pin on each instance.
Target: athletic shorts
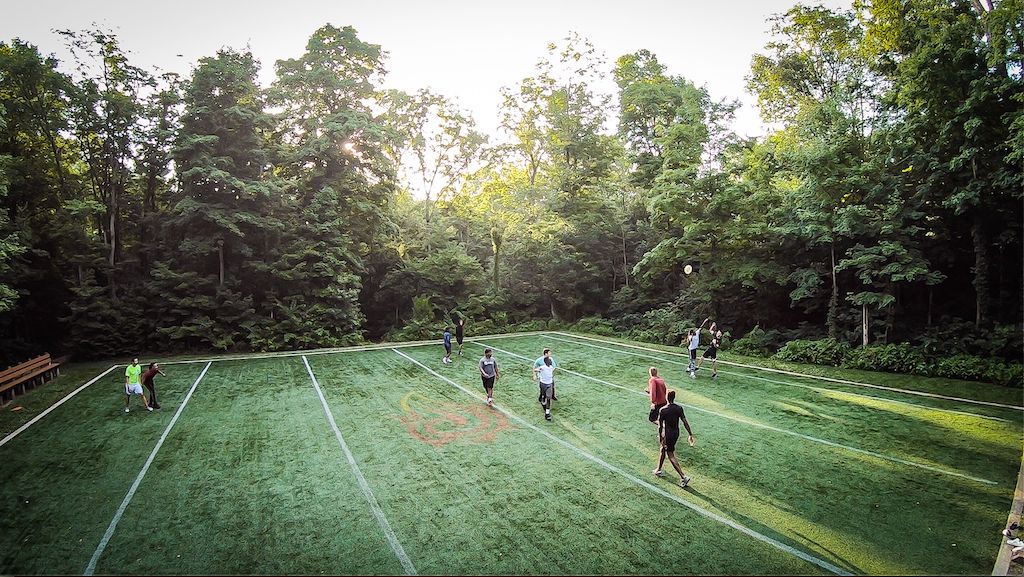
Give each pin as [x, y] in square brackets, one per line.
[458, 339]
[711, 354]
[669, 442]
[653, 416]
[693, 354]
[133, 389]
[546, 391]
[448, 349]
[488, 382]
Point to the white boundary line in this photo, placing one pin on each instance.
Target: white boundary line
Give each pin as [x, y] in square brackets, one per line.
[644, 484]
[841, 381]
[22, 428]
[396, 547]
[819, 389]
[354, 348]
[783, 431]
[138, 480]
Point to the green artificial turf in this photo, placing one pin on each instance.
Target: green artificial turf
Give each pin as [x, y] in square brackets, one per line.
[251, 479]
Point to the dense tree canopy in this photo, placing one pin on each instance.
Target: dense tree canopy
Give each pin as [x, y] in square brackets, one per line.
[143, 212]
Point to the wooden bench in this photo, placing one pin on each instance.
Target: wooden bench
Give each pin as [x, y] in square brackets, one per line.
[16, 380]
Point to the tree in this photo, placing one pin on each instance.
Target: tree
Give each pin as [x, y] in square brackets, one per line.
[956, 86]
[441, 139]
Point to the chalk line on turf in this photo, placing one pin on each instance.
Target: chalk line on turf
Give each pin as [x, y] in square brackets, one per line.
[22, 428]
[841, 381]
[378, 514]
[352, 349]
[779, 430]
[138, 480]
[819, 389]
[640, 482]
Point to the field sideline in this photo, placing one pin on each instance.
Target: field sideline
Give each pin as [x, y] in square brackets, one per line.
[380, 459]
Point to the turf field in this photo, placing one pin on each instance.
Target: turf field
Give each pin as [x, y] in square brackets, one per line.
[384, 460]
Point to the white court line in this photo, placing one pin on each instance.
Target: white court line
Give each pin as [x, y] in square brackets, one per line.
[818, 389]
[396, 547]
[352, 349]
[138, 480]
[783, 431]
[20, 429]
[841, 381]
[636, 480]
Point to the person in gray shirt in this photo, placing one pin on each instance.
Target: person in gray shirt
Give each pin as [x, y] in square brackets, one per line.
[489, 373]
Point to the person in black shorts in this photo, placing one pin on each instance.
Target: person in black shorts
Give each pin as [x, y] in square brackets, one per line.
[712, 352]
[668, 431]
[459, 333]
[489, 373]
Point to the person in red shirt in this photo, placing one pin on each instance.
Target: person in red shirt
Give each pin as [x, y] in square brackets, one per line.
[147, 381]
[656, 389]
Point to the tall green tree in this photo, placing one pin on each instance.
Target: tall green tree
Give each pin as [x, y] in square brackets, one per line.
[223, 212]
[337, 184]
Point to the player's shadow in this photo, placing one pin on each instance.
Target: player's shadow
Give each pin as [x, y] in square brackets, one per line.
[834, 556]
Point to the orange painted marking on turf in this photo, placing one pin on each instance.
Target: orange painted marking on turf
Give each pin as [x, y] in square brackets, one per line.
[438, 423]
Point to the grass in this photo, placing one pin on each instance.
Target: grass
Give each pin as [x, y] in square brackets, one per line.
[251, 479]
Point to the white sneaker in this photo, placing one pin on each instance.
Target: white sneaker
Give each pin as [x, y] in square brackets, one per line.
[126, 409]
[150, 409]
[657, 472]
[1015, 542]
[684, 481]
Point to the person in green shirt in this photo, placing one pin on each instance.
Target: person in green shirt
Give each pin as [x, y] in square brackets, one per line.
[132, 386]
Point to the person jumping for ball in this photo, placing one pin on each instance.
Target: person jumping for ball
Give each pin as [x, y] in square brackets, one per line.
[460, 333]
[712, 351]
[694, 341]
[668, 420]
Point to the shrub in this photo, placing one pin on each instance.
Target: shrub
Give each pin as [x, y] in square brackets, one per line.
[971, 368]
[824, 352]
[756, 343]
[896, 358]
[595, 325]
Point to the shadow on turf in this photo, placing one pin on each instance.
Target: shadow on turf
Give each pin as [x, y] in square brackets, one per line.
[753, 524]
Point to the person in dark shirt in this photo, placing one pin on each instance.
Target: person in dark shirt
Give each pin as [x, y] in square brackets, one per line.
[147, 381]
[459, 333]
[668, 421]
[712, 351]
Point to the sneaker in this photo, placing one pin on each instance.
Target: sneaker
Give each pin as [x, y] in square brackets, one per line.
[693, 375]
[126, 409]
[148, 408]
[1015, 542]
[156, 406]
[714, 375]
[684, 481]
[490, 402]
[657, 472]
[547, 416]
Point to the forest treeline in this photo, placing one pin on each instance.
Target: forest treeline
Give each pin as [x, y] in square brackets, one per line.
[142, 211]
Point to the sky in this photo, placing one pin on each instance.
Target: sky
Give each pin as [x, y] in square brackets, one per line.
[464, 49]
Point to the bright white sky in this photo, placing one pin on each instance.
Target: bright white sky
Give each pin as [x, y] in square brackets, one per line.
[463, 49]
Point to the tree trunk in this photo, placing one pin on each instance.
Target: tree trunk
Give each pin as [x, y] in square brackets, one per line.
[981, 281]
[833, 302]
[220, 255]
[864, 323]
[625, 259]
